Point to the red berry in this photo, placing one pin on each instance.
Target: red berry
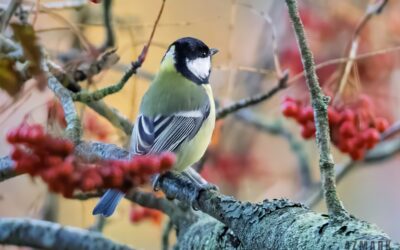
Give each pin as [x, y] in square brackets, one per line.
[333, 116]
[381, 124]
[347, 129]
[167, 160]
[290, 109]
[371, 136]
[307, 132]
[12, 136]
[137, 214]
[357, 154]
[17, 154]
[348, 115]
[306, 114]
[289, 99]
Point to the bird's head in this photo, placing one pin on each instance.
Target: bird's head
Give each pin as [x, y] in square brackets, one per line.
[191, 58]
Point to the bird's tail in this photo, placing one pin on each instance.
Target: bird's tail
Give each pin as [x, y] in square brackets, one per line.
[108, 202]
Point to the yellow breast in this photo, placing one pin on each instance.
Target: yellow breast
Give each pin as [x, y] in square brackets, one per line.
[191, 151]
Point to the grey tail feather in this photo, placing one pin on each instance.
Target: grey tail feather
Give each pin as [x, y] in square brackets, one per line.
[108, 202]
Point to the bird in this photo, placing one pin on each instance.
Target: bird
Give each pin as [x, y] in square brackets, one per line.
[177, 112]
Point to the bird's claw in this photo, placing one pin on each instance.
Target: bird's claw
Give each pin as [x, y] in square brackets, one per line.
[196, 194]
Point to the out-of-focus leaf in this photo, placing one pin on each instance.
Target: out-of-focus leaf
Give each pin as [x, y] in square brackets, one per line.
[10, 79]
[25, 35]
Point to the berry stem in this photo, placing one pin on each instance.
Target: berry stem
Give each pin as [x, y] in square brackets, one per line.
[320, 105]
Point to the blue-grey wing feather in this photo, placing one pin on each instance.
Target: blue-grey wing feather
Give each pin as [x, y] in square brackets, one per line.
[166, 133]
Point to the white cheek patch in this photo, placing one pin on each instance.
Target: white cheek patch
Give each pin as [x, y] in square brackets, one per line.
[200, 67]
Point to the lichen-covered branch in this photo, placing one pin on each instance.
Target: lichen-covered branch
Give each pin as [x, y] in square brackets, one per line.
[101, 93]
[86, 97]
[274, 224]
[74, 129]
[48, 235]
[6, 168]
[253, 100]
[320, 105]
[268, 225]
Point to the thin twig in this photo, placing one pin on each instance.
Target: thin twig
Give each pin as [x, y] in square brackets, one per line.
[320, 105]
[253, 100]
[86, 97]
[373, 9]
[275, 51]
[108, 25]
[101, 93]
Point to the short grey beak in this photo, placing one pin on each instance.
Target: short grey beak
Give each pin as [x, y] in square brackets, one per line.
[213, 51]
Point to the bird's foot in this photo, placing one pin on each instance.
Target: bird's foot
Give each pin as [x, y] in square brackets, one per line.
[194, 196]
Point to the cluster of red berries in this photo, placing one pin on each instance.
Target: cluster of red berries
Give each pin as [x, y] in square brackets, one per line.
[40, 154]
[353, 129]
[139, 213]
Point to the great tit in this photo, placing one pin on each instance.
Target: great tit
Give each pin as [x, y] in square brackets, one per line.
[177, 113]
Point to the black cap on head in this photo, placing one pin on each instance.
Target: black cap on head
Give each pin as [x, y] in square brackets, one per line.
[193, 59]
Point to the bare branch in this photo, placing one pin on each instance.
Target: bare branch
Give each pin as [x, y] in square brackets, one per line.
[253, 100]
[320, 105]
[74, 129]
[85, 97]
[108, 24]
[373, 9]
[101, 93]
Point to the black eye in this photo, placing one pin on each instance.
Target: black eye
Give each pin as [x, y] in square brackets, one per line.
[203, 54]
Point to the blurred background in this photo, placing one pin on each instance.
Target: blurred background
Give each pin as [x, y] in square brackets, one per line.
[250, 163]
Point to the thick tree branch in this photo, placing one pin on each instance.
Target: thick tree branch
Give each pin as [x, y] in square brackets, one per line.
[266, 225]
[253, 100]
[48, 235]
[320, 105]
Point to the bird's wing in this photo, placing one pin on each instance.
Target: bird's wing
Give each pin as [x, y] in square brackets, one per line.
[166, 133]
